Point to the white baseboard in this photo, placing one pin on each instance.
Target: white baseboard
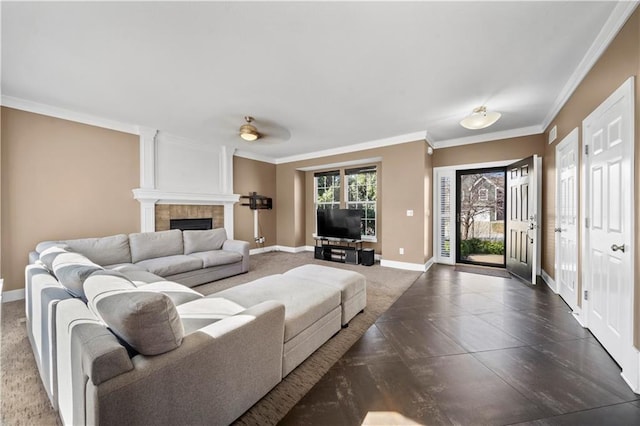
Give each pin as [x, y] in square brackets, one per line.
[577, 316]
[262, 250]
[429, 264]
[549, 281]
[288, 249]
[12, 295]
[285, 249]
[406, 265]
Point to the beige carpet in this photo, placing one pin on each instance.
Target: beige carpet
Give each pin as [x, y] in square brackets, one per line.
[24, 401]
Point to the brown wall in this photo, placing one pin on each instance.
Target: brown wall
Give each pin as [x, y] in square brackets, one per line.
[620, 61]
[254, 176]
[401, 185]
[62, 180]
[499, 150]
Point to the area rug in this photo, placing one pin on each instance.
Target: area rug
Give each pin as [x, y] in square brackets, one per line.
[24, 400]
[484, 270]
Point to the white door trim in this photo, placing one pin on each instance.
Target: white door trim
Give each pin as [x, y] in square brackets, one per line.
[569, 141]
[630, 361]
[451, 172]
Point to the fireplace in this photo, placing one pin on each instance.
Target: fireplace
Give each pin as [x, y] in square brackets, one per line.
[191, 224]
[166, 214]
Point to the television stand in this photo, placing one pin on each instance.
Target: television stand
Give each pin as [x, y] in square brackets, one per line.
[338, 250]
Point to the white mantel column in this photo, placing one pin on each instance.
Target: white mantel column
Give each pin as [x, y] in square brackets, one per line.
[148, 178]
[148, 158]
[147, 215]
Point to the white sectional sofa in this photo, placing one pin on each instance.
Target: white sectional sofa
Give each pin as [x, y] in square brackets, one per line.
[126, 346]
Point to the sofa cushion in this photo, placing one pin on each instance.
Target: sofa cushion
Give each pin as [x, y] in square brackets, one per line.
[178, 293]
[42, 246]
[349, 283]
[171, 265]
[105, 250]
[212, 239]
[71, 270]
[304, 304]
[103, 282]
[151, 245]
[217, 257]
[124, 267]
[50, 253]
[146, 320]
[142, 277]
[202, 312]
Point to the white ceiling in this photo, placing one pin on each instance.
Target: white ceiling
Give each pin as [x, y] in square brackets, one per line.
[322, 75]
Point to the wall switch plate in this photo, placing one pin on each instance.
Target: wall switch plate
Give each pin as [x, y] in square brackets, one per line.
[401, 250]
[409, 212]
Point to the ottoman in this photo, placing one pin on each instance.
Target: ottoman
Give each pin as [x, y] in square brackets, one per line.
[311, 313]
[352, 286]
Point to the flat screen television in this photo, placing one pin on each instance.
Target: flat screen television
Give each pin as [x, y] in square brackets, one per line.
[339, 223]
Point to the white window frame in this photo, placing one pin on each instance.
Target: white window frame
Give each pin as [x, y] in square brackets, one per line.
[368, 238]
[483, 194]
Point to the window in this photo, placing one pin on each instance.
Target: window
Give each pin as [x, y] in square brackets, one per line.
[483, 194]
[327, 186]
[362, 190]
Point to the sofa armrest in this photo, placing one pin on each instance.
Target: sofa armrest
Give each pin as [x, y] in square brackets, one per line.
[241, 247]
[216, 374]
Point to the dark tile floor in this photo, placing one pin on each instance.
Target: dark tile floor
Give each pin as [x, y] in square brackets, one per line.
[468, 349]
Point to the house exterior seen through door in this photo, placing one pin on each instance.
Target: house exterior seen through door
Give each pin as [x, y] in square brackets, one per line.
[480, 220]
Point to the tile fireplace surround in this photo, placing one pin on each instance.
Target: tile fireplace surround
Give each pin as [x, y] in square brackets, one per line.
[166, 212]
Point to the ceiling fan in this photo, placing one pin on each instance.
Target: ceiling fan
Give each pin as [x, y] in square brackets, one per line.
[253, 129]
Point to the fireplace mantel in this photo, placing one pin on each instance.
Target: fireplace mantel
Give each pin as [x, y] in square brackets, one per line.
[148, 198]
[175, 170]
[162, 197]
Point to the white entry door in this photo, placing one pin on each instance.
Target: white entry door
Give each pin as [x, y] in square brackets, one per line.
[566, 271]
[608, 138]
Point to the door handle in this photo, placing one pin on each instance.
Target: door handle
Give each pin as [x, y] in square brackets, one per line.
[557, 229]
[615, 247]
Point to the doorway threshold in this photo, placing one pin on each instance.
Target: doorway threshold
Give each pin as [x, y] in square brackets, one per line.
[483, 270]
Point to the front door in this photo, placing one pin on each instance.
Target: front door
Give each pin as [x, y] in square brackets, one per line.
[480, 217]
[566, 229]
[522, 233]
[608, 262]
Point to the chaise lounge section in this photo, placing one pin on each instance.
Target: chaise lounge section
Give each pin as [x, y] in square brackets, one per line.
[218, 354]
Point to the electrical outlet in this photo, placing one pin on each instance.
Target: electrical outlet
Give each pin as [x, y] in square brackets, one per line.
[401, 250]
[409, 212]
[259, 240]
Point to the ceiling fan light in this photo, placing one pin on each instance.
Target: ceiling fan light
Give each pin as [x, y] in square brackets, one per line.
[480, 119]
[248, 132]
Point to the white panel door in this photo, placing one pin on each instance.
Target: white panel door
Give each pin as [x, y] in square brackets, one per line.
[608, 139]
[566, 271]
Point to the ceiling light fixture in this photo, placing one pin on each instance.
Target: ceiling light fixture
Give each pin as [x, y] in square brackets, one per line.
[480, 118]
[248, 131]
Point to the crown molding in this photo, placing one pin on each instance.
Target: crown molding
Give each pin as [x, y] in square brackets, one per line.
[253, 156]
[394, 140]
[360, 162]
[487, 137]
[65, 114]
[618, 17]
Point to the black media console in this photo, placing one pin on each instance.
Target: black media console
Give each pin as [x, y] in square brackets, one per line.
[338, 250]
